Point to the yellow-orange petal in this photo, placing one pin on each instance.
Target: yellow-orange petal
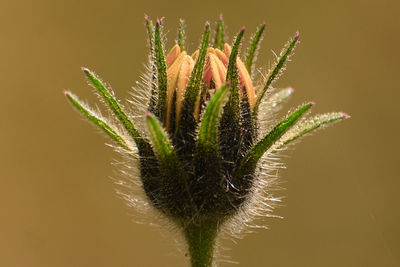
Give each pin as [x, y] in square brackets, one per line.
[183, 79]
[217, 69]
[221, 55]
[172, 55]
[227, 50]
[172, 78]
[195, 55]
[245, 81]
[207, 75]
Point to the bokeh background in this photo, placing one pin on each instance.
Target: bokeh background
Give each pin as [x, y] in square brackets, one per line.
[57, 202]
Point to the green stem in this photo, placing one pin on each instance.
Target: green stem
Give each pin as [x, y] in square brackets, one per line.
[200, 236]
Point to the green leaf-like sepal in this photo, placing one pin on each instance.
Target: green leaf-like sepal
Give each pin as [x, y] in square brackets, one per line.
[91, 115]
[161, 73]
[160, 141]
[186, 122]
[232, 75]
[250, 160]
[208, 133]
[175, 196]
[181, 35]
[308, 126]
[277, 70]
[196, 77]
[219, 39]
[114, 106]
[231, 108]
[254, 45]
[153, 67]
[229, 128]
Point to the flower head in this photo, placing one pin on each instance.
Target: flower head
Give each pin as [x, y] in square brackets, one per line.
[203, 158]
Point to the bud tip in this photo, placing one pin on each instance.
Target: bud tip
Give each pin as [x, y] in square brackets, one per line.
[345, 115]
[146, 18]
[148, 114]
[207, 25]
[297, 35]
[312, 103]
[85, 69]
[243, 29]
[220, 17]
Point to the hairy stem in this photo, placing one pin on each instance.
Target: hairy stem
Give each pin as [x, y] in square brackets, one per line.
[200, 236]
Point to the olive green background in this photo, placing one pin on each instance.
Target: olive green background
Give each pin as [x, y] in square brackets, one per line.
[57, 202]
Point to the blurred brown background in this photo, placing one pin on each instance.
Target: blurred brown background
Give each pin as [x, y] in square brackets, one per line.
[57, 203]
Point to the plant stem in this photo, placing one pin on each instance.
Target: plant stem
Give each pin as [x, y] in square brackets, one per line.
[200, 236]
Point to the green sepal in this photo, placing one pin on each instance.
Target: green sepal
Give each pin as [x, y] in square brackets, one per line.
[229, 128]
[308, 126]
[181, 35]
[175, 193]
[219, 39]
[207, 157]
[232, 75]
[160, 141]
[254, 45]
[114, 106]
[250, 160]
[247, 129]
[186, 123]
[153, 68]
[277, 70]
[208, 133]
[161, 108]
[91, 115]
[196, 77]
[232, 106]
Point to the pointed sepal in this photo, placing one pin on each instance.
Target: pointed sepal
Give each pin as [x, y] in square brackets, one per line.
[208, 133]
[114, 106]
[219, 39]
[97, 119]
[160, 141]
[152, 65]
[229, 128]
[308, 126]
[279, 66]
[181, 35]
[250, 160]
[186, 122]
[161, 106]
[254, 46]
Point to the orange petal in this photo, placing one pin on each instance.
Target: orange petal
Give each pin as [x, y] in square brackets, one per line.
[221, 55]
[195, 55]
[172, 77]
[183, 79]
[207, 74]
[210, 50]
[227, 50]
[216, 65]
[245, 81]
[172, 55]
